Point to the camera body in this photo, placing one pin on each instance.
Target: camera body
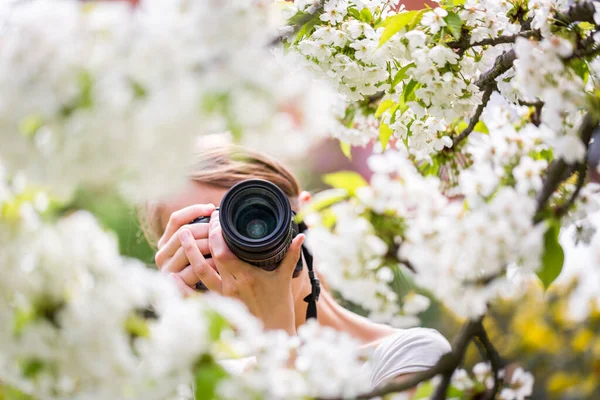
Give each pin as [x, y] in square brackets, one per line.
[258, 224]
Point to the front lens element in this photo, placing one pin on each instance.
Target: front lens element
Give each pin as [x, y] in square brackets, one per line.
[255, 218]
[256, 229]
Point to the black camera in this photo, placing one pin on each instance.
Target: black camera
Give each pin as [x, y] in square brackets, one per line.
[257, 222]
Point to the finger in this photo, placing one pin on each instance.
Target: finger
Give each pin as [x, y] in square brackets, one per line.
[225, 260]
[215, 222]
[288, 264]
[199, 231]
[184, 217]
[179, 261]
[199, 269]
[185, 289]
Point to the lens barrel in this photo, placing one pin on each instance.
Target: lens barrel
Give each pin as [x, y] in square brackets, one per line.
[256, 220]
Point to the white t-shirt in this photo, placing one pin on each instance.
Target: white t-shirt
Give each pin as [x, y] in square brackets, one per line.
[404, 352]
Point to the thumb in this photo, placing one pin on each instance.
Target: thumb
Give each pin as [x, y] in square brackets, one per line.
[293, 254]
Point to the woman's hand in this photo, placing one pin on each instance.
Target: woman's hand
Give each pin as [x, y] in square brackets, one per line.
[267, 294]
[170, 256]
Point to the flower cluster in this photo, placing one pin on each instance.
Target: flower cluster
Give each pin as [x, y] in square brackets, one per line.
[103, 92]
[518, 387]
[369, 50]
[78, 316]
[459, 254]
[81, 321]
[541, 75]
[319, 362]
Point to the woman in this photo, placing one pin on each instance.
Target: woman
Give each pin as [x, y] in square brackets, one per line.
[272, 296]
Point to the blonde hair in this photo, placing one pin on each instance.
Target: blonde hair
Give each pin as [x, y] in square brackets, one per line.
[223, 165]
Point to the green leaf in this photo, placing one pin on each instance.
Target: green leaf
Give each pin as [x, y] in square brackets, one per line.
[366, 15]
[454, 393]
[30, 368]
[394, 24]
[581, 68]
[84, 99]
[586, 26]
[401, 74]
[413, 24]
[354, 13]
[216, 325]
[383, 107]
[139, 91]
[481, 127]
[322, 201]
[348, 180]
[29, 125]
[394, 111]
[299, 18]
[207, 375]
[409, 89]
[553, 256]
[23, 317]
[137, 326]
[306, 28]
[346, 149]
[12, 393]
[424, 390]
[454, 24]
[385, 132]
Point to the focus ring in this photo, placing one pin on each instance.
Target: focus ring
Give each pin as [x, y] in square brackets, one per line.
[270, 259]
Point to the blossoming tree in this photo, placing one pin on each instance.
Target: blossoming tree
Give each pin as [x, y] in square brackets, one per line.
[483, 112]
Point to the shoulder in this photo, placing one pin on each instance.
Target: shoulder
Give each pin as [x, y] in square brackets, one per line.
[406, 351]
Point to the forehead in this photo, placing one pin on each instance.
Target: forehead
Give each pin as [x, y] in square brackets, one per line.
[192, 193]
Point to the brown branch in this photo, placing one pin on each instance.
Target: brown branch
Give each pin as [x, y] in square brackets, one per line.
[495, 361]
[465, 42]
[590, 52]
[442, 388]
[580, 12]
[447, 364]
[559, 170]
[581, 170]
[501, 65]
[475, 118]
[536, 104]
[484, 280]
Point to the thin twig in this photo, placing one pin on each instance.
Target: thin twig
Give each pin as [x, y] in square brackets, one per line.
[581, 170]
[475, 118]
[537, 103]
[464, 43]
[559, 170]
[495, 361]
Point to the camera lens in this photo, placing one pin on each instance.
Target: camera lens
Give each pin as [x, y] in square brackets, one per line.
[256, 219]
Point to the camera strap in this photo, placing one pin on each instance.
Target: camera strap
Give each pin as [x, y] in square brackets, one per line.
[311, 299]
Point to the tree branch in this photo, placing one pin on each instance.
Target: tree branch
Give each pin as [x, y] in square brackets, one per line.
[501, 65]
[475, 118]
[559, 170]
[447, 364]
[581, 12]
[465, 43]
[581, 170]
[495, 361]
[442, 388]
